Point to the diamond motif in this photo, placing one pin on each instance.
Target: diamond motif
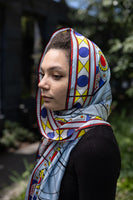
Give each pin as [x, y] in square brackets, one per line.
[79, 40]
[80, 66]
[87, 66]
[77, 94]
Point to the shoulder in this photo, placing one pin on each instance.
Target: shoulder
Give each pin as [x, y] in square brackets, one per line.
[99, 142]
[99, 135]
[93, 166]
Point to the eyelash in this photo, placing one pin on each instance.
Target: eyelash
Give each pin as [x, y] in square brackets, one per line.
[57, 77]
[41, 75]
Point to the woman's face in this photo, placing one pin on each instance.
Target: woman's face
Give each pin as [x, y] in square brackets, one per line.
[54, 79]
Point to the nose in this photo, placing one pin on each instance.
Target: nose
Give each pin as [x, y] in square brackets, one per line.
[44, 84]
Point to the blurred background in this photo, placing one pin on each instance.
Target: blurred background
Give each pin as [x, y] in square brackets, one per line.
[25, 28]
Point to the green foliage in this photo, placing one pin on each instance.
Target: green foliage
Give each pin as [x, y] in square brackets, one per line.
[109, 24]
[17, 178]
[129, 92]
[20, 197]
[123, 129]
[14, 134]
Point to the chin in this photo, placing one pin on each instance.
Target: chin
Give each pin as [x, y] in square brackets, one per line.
[54, 108]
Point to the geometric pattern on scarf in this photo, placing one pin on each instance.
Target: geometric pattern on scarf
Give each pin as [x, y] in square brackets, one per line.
[89, 75]
[47, 174]
[46, 177]
[87, 105]
[89, 93]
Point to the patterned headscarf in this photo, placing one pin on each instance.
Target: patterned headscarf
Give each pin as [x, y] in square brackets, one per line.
[87, 105]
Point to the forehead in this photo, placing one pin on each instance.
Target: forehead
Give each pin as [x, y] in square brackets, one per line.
[55, 59]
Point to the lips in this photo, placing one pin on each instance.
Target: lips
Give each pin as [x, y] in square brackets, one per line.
[46, 98]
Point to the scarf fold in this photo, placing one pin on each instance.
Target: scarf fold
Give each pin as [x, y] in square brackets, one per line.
[87, 105]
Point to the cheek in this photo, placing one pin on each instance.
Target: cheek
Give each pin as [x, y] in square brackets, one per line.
[61, 91]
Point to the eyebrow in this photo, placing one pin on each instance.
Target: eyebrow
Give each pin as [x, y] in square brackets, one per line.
[54, 68]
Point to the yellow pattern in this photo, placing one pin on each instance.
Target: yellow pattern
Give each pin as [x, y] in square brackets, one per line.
[60, 119]
[49, 163]
[59, 132]
[58, 149]
[103, 68]
[41, 174]
[77, 94]
[82, 132]
[80, 66]
[85, 93]
[48, 125]
[44, 126]
[97, 117]
[79, 40]
[87, 66]
[59, 138]
[85, 40]
[42, 101]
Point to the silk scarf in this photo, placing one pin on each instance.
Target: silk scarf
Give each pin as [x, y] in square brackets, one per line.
[87, 105]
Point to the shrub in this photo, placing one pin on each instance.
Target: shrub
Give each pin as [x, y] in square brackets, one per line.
[123, 129]
[14, 134]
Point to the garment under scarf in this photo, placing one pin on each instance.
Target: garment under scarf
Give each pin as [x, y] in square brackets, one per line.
[87, 105]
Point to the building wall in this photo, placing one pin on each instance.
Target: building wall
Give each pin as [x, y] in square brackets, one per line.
[48, 14]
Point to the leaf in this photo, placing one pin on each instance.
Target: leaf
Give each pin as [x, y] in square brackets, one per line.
[107, 3]
[116, 45]
[128, 45]
[129, 92]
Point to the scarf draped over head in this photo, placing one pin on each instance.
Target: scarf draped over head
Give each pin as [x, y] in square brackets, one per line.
[87, 104]
[89, 93]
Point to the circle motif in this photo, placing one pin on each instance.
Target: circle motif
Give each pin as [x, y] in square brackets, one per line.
[51, 135]
[82, 81]
[83, 52]
[70, 132]
[78, 34]
[44, 112]
[77, 105]
[103, 62]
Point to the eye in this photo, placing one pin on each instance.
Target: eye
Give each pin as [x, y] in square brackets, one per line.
[41, 75]
[57, 77]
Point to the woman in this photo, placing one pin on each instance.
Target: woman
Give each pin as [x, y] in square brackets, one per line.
[78, 157]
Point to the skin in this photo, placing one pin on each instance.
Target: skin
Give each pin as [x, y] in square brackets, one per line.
[54, 82]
